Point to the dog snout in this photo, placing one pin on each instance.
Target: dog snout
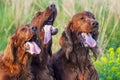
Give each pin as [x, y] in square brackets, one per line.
[52, 6]
[95, 24]
[34, 28]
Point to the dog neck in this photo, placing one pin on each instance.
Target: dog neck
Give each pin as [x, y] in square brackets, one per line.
[78, 53]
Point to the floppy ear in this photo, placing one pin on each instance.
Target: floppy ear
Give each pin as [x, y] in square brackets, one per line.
[69, 27]
[67, 40]
[10, 50]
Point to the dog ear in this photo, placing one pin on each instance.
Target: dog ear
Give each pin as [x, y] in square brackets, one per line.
[10, 51]
[67, 44]
[69, 27]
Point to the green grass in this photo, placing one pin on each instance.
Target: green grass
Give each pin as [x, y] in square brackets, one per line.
[13, 13]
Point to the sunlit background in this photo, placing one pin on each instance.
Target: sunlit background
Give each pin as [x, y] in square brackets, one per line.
[13, 13]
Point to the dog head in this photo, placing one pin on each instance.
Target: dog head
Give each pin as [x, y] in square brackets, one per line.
[21, 43]
[84, 26]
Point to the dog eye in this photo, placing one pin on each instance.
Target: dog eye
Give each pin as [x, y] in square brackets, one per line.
[82, 18]
[27, 25]
[23, 29]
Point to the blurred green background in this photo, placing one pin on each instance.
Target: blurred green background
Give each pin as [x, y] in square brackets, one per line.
[13, 13]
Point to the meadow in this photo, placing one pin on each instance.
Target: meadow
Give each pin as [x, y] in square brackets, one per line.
[13, 13]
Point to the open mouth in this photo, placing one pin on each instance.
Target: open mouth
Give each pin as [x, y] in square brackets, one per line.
[87, 40]
[31, 46]
[51, 18]
[48, 27]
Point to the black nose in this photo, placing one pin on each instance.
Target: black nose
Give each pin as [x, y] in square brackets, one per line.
[52, 6]
[95, 24]
[34, 28]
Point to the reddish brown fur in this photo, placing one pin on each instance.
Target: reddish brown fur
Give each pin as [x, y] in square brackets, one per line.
[39, 21]
[41, 17]
[14, 63]
[39, 62]
[72, 61]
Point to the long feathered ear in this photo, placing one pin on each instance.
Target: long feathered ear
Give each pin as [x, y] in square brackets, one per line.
[69, 27]
[68, 41]
[10, 50]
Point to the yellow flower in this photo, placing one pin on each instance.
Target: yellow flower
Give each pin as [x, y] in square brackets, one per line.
[111, 62]
[111, 49]
[118, 60]
[96, 62]
[118, 50]
[112, 54]
[104, 59]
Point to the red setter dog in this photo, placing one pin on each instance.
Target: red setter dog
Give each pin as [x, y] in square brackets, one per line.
[44, 22]
[15, 61]
[72, 61]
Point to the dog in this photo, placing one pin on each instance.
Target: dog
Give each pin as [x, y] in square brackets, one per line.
[72, 61]
[44, 22]
[16, 59]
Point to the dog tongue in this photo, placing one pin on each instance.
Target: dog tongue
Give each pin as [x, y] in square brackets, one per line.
[32, 48]
[48, 30]
[47, 35]
[89, 40]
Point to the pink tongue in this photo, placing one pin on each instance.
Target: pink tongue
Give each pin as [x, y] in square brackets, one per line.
[47, 37]
[32, 48]
[89, 40]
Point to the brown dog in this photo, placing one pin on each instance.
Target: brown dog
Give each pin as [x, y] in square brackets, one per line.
[44, 22]
[15, 61]
[72, 61]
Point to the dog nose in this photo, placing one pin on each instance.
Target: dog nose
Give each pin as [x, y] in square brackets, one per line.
[95, 24]
[52, 6]
[34, 28]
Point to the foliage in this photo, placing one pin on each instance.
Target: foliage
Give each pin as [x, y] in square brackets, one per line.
[13, 13]
[108, 65]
